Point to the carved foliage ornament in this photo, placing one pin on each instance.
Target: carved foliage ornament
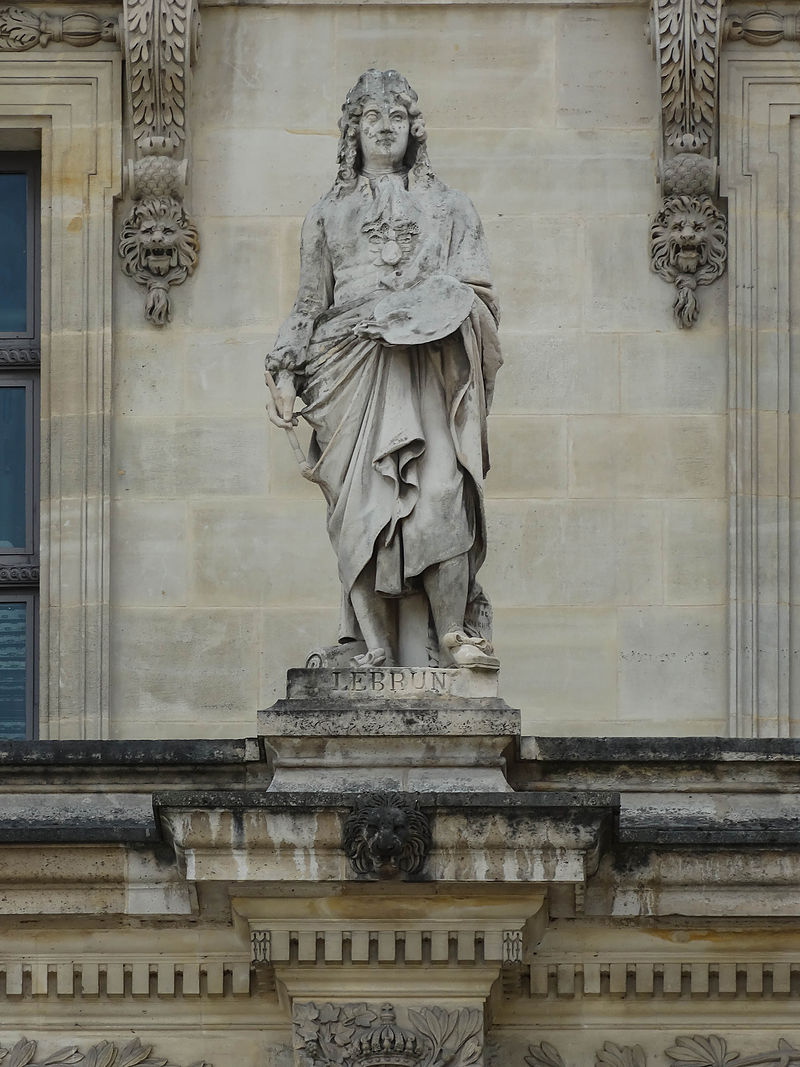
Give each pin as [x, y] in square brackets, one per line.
[698, 1050]
[362, 1035]
[21, 29]
[762, 27]
[686, 38]
[104, 1054]
[687, 50]
[159, 241]
[387, 835]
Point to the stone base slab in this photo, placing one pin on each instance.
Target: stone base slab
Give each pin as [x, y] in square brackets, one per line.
[325, 738]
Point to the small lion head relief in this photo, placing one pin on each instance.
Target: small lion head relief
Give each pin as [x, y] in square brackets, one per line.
[158, 237]
[159, 247]
[688, 243]
[688, 247]
[158, 244]
[387, 835]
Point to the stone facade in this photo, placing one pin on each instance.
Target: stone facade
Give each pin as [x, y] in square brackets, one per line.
[625, 901]
[402, 867]
[608, 494]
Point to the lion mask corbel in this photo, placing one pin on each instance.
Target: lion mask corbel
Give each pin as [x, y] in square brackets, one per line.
[159, 246]
[688, 247]
[387, 835]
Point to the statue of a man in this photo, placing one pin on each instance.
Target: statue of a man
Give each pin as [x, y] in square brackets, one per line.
[392, 346]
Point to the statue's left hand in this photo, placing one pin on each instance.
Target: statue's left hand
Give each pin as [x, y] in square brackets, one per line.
[368, 329]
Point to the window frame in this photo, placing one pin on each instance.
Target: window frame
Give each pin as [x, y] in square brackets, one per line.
[69, 103]
[30, 598]
[27, 554]
[29, 163]
[20, 566]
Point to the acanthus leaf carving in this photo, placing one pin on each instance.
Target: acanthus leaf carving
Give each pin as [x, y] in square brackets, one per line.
[159, 241]
[686, 40]
[687, 48]
[544, 1055]
[20, 30]
[455, 1037]
[103, 1054]
[689, 1050]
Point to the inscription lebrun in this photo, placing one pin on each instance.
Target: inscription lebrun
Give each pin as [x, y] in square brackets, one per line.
[390, 680]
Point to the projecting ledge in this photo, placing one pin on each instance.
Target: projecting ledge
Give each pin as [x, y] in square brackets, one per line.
[241, 836]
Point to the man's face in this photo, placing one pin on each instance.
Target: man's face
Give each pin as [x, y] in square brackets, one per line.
[384, 134]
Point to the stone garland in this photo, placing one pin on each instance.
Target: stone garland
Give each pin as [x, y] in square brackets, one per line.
[20, 357]
[103, 1054]
[18, 574]
[697, 1050]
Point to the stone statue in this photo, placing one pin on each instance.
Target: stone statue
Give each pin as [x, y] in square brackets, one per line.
[392, 346]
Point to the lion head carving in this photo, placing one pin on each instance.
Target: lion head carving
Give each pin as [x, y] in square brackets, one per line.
[688, 247]
[159, 246]
[386, 834]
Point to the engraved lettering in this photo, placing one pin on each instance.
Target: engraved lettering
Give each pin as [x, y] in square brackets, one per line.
[377, 681]
[398, 681]
[418, 679]
[438, 681]
[336, 680]
[355, 678]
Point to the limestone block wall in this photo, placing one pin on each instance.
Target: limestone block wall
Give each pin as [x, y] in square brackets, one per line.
[607, 498]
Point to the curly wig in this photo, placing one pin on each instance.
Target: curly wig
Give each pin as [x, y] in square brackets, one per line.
[372, 84]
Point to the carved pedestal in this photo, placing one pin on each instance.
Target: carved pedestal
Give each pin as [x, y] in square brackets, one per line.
[390, 729]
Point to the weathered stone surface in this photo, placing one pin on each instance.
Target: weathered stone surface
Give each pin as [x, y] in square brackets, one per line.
[386, 742]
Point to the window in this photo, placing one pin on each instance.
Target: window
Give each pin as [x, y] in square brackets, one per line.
[19, 442]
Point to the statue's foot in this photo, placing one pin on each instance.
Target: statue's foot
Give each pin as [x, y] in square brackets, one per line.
[373, 657]
[468, 651]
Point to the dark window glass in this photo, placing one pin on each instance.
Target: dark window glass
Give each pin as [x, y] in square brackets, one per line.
[19, 442]
[14, 260]
[14, 448]
[15, 656]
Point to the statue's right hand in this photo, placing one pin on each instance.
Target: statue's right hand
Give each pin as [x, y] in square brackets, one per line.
[281, 395]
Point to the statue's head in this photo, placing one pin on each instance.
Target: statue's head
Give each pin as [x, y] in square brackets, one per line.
[371, 114]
